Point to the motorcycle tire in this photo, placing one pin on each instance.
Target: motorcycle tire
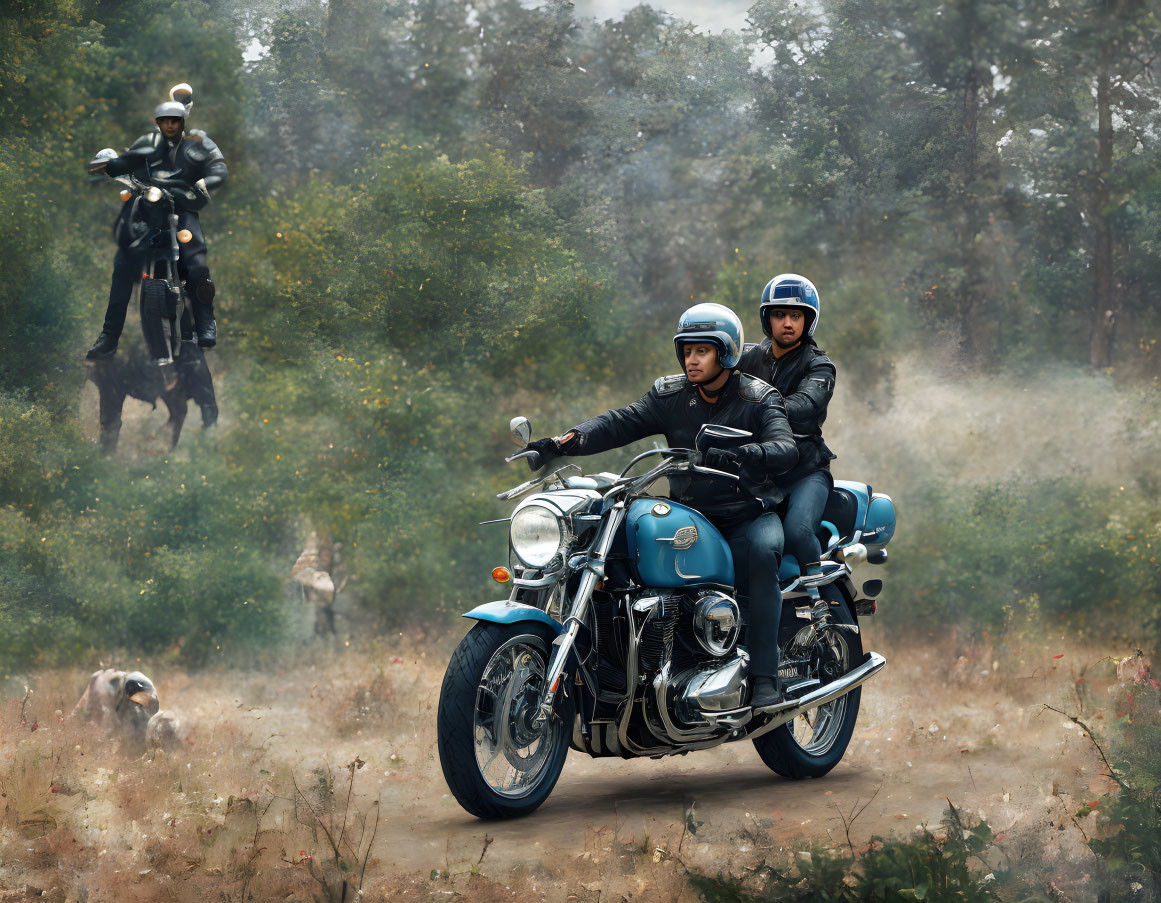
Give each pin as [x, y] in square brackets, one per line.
[496, 762]
[806, 747]
[154, 316]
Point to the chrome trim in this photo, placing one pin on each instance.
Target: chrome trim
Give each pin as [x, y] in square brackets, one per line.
[684, 538]
[788, 711]
[632, 680]
[538, 582]
[853, 554]
[677, 568]
[576, 614]
[660, 686]
[731, 719]
[722, 684]
[705, 623]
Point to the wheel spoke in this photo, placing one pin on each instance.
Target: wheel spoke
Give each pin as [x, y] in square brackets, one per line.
[509, 691]
[816, 730]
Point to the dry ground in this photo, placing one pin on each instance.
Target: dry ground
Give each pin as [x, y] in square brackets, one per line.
[245, 810]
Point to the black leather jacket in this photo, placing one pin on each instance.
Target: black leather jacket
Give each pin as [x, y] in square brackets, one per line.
[178, 164]
[805, 377]
[675, 409]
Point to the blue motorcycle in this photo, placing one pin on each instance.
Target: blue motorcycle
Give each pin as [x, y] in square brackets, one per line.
[622, 636]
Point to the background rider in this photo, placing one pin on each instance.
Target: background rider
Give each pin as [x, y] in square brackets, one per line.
[189, 165]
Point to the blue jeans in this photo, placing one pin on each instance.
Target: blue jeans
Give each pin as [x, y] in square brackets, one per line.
[805, 501]
[756, 547]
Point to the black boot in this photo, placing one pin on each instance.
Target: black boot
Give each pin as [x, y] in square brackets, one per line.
[104, 347]
[207, 326]
[767, 692]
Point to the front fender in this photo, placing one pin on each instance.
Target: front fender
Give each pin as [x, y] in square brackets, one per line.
[507, 612]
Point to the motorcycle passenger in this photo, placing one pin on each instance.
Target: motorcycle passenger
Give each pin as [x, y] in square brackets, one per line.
[188, 165]
[789, 360]
[708, 343]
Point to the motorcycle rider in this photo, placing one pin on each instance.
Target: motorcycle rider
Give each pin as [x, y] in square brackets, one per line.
[188, 165]
[708, 343]
[789, 360]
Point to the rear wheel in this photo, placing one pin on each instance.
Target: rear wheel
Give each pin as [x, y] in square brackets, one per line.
[497, 761]
[814, 742]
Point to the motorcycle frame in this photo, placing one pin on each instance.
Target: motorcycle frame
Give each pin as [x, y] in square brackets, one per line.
[170, 257]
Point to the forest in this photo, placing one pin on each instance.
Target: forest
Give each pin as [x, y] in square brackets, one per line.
[444, 213]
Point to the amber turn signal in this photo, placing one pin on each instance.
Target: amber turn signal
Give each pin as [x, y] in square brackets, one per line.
[126, 194]
[184, 235]
[501, 575]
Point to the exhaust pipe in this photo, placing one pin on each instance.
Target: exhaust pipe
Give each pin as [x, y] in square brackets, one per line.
[832, 691]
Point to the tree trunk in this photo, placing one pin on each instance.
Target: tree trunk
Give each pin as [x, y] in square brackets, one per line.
[977, 321]
[1104, 300]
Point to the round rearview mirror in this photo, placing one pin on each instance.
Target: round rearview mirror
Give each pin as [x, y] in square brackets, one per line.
[521, 431]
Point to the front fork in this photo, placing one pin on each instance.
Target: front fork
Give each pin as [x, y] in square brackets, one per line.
[563, 645]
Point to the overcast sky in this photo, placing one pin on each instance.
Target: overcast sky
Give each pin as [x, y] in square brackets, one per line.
[714, 15]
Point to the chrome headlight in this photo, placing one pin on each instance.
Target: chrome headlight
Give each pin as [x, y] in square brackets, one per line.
[536, 535]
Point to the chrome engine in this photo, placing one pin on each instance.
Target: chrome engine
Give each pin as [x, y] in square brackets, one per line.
[688, 652]
[720, 687]
[717, 621]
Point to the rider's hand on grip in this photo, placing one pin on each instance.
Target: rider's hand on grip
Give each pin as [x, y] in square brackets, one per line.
[546, 450]
[746, 456]
[719, 458]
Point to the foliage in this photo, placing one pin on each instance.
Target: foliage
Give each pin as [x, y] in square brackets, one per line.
[442, 213]
[1129, 843]
[951, 863]
[1005, 555]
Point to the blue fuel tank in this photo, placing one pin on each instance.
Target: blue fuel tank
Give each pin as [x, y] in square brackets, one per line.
[672, 545]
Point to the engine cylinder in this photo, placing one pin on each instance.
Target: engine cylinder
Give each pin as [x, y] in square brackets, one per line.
[716, 623]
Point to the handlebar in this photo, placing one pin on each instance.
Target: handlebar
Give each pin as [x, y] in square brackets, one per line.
[533, 457]
[677, 459]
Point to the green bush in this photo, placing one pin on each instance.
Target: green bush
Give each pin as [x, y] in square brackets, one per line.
[1007, 554]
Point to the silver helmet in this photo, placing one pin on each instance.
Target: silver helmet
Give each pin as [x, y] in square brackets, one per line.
[716, 323]
[169, 109]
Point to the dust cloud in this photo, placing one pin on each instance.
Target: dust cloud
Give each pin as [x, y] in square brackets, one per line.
[958, 426]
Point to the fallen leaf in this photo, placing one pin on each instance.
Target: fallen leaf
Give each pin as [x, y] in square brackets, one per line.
[1059, 656]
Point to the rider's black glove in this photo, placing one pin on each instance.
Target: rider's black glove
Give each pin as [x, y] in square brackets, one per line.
[547, 449]
[746, 457]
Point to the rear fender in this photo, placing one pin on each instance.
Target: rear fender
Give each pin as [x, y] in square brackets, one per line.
[508, 612]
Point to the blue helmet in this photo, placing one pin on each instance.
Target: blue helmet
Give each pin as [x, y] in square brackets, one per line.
[790, 290]
[711, 323]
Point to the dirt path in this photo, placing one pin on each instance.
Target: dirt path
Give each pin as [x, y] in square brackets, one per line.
[930, 728]
[984, 742]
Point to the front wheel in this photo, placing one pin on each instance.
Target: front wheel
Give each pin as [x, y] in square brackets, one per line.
[158, 310]
[814, 742]
[497, 761]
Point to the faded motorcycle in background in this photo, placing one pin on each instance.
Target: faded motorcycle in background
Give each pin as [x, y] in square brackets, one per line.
[175, 371]
[147, 229]
[622, 636]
